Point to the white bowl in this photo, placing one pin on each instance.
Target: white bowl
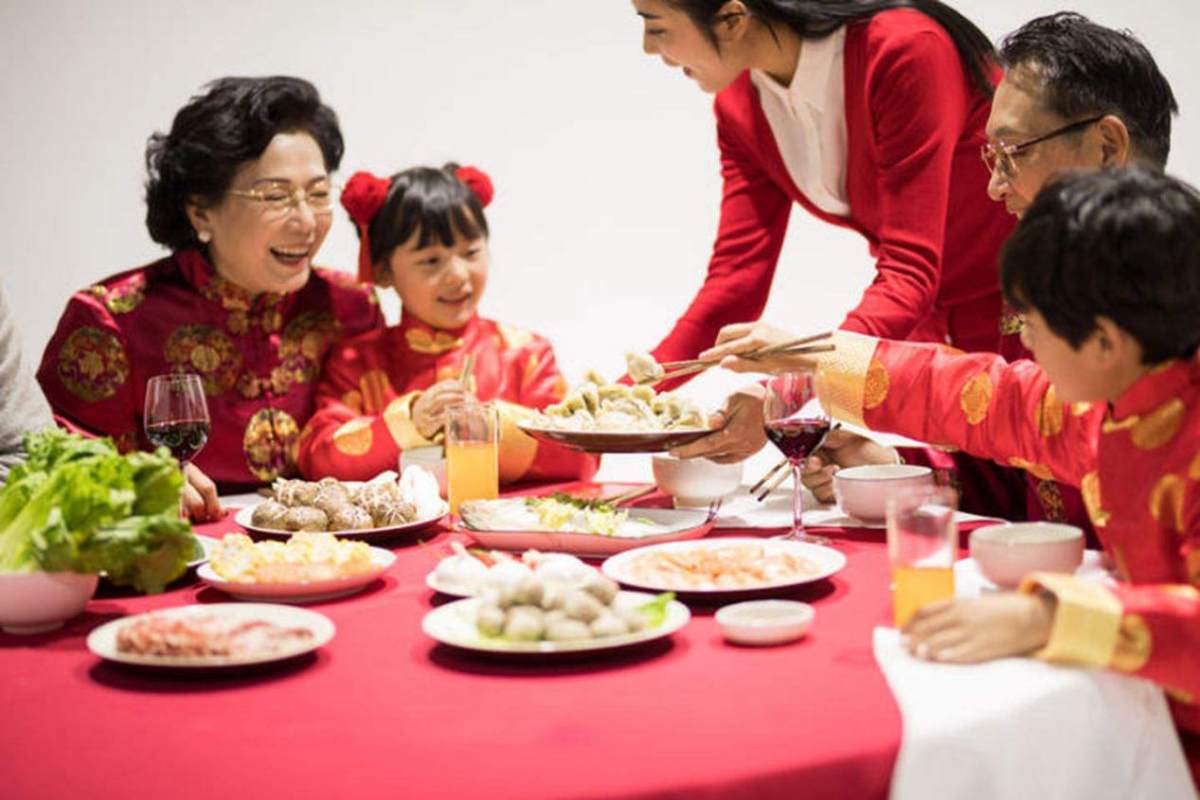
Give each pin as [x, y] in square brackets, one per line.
[863, 492]
[695, 482]
[36, 602]
[1007, 553]
[431, 458]
[761, 622]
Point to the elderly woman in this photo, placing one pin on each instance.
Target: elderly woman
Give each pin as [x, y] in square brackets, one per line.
[239, 191]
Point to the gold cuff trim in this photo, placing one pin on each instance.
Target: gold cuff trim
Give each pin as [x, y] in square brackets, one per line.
[842, 376]
[1087, 621]
[398, 418]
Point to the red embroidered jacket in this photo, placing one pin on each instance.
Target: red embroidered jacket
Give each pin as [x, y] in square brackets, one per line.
[364, 402]
[1136, 463]
[259, 358]
[917, 192]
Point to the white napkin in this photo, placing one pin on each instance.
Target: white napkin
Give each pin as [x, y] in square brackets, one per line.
[1019, 728]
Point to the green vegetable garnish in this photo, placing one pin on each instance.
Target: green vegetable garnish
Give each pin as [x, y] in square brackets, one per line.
[570, 500]
[77, 505]
[655, 611]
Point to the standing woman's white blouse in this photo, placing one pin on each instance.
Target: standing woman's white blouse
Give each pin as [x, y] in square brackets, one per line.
[808, 119]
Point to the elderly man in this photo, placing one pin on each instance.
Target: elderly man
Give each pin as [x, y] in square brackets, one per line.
[22, 407]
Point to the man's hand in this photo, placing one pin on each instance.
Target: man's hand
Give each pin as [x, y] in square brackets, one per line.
[842, 449]
[738, 429]
[429, 410]
[200, 501]
[734, 340]
[966, 631]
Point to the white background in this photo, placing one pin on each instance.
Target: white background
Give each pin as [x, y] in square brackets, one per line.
[604, 159]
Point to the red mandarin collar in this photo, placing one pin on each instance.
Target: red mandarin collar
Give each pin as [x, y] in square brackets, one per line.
[1160, 384]
[202, 275]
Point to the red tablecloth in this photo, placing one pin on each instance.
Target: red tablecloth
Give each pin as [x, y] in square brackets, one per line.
[382, 711]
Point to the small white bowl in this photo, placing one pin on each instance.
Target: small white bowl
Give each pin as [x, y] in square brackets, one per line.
[36, 602]
[1007, 553]
[863, 492]
[760, 622]
[432, 459]
[695, 482]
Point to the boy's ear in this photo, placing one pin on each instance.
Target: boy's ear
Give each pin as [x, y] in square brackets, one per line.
[1113, 345]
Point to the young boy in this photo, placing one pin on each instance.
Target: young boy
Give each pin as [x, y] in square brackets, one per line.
[1105, 268]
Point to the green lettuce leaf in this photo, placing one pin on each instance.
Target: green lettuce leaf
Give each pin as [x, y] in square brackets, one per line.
[655, 611]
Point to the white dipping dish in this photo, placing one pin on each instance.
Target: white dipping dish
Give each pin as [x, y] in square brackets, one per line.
[763, 622]
[1007, 553]
[36, 602]
[433, 459]
[863, 492]
[695, 482]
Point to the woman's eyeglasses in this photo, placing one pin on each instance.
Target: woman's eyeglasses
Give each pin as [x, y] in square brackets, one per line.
[279, 200]
[1001, 157]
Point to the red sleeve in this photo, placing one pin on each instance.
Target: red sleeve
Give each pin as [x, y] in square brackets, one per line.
[85, 373]
[754, 217]
[919, 97]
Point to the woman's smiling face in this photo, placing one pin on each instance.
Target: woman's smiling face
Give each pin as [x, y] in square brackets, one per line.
[670, 34]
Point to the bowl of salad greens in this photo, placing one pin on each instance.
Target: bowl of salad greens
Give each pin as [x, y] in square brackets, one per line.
[77, 508]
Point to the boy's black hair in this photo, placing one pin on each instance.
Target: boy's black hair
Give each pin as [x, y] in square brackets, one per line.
[433, 202]
[231, 123]
[1122, 244]
[1085, 70]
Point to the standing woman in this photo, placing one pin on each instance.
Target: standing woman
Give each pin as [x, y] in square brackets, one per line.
[240, 192]
[870, 115]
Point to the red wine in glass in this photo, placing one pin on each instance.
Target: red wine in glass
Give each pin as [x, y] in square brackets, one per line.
[184, 438]
[796, 438]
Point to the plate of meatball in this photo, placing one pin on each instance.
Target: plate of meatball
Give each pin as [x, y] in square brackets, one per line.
[383, 506]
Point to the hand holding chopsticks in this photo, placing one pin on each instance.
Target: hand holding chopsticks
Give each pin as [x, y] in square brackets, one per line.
[757, 344]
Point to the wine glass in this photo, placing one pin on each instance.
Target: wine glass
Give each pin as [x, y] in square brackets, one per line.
[797, 426]
[176, 415]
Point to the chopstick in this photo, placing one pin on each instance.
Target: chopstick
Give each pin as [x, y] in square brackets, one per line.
[468, 365]
[775, 484]
[628, 495]
[764, 351]
[752, 356]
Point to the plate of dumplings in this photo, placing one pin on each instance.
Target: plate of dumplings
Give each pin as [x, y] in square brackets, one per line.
[384, 506]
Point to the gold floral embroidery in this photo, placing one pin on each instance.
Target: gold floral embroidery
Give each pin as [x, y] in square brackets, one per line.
[305, 342]
[205, 350]
[976, 397]
[1036, 470]
[876, 385]
[92, 364]
[1182, 591]
[1090, 488]
[1194, 468]
[1081, 408]
[1159, 426]
[1166, 502]
[127, 296]
[1191, 564]
[514, 338]
[1051, 500]
[1134, 644]
[422, 341]
[248, 385]
[1050, 414]
[237, 322]
[353, 400]
[1011, 323]
[1114, 426]
[375, 388]
[354, 438]
[269, 443]
[1180, 696]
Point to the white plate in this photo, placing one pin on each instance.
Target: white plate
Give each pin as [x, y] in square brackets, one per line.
[826, 560]
[454, 624]
[103, 640]
[207, 543]
[431, 580]
[245, 515]
[677, 524]
[307, 592]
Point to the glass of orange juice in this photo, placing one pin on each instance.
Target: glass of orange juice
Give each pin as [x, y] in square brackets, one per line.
[922, 545]
[472, 453]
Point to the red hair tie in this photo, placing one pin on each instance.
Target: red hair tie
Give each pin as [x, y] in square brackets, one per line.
[362, 197]
[478, 182]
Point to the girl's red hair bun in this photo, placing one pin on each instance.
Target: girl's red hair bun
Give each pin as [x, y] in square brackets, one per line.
[478, 182]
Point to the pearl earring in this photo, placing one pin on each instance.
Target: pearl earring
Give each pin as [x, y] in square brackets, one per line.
[204, 236]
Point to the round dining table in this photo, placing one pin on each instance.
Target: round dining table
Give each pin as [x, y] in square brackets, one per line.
[383, 711]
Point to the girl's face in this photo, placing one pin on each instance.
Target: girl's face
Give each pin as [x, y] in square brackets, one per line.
[672, 35]
[440, 285]
[263, 237]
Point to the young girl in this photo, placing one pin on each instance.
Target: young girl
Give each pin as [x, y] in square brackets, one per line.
[424, 233]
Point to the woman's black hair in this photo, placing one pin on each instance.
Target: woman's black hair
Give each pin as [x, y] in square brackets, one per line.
[1085, 70]
[232, 122]
[1122, 244]
[813, 19]
[432, 203]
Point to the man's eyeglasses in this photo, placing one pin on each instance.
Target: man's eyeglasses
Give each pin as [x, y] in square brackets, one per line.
[1001, 157]
[279, 200]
